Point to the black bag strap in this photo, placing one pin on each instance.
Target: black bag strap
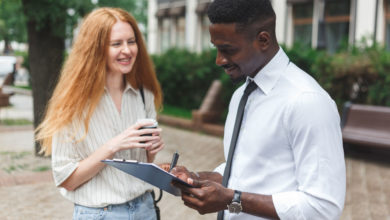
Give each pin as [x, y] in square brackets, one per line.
[141, 90]
[155, 201]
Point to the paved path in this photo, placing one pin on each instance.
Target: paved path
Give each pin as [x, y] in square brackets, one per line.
[21, 107]
[197, 152]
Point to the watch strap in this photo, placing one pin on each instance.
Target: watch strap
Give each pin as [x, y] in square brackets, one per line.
[235, 206]
[237, 196]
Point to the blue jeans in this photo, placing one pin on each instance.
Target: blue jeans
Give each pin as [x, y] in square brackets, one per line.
[140, 208]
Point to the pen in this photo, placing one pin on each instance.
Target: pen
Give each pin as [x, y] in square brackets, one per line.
[174, 161]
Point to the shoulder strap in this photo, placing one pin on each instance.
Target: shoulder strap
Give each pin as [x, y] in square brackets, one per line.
[141, 89]
[155, 201]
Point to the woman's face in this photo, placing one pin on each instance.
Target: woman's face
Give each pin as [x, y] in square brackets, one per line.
[122, 50]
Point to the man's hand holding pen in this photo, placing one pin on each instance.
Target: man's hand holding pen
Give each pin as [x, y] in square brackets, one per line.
[205, 196]
[185, 175]
[180, 172]
[168, 166]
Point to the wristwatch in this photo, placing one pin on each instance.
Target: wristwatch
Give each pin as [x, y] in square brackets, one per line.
[235, 206]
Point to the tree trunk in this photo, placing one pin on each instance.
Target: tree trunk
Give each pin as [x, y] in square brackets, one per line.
[7, 46]
[45, 56]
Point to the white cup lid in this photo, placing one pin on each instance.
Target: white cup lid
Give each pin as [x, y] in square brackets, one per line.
[155, 123]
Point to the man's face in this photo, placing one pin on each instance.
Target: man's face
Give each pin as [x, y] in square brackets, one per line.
[237, 54]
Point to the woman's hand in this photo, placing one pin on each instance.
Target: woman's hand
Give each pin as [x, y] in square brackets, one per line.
[156, 146]
[134, 137]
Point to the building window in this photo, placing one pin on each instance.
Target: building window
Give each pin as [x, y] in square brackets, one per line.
[337, 16]
[303, 22]
[205, 38]
[203, 25]
[165, 39]
[181, 32]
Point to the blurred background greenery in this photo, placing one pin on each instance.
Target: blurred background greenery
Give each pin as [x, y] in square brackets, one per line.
[360, 74]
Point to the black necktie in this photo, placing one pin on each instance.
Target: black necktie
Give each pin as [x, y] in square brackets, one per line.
[237, 125]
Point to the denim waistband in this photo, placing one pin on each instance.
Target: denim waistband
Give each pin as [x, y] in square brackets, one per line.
[131, 204]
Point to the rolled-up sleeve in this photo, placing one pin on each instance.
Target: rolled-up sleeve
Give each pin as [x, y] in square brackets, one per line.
[220, 169]
[313, 126]
[64, 157]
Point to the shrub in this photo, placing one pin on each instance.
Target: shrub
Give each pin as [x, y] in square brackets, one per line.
[304, 57]
[185, 77]
[379, 91]
[359, 74]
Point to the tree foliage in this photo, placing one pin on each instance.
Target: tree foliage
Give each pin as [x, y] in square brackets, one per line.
[136, 7]
[49, 23]
[50, 12]
[12, 22]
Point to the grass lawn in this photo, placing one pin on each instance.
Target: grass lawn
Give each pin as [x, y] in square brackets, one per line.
[10, 121]
[176, 111]
[23, 87]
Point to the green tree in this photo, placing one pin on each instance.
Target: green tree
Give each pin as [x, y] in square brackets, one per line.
[49, 23]
[136, 7]
[12, 23]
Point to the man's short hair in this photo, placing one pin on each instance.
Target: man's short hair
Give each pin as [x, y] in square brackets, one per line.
[242, 12]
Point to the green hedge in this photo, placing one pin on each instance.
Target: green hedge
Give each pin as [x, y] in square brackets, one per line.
[360, 75]
[185, 77]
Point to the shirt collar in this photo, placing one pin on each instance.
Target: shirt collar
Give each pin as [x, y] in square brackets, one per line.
[267, 77]
[127, 88]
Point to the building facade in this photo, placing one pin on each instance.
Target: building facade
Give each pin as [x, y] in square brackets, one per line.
[325, 24]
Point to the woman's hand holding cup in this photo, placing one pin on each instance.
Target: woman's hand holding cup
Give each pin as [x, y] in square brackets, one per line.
[157, 144]
[143, 134]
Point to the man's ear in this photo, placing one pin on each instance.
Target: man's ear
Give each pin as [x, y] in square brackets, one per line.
[263, 39]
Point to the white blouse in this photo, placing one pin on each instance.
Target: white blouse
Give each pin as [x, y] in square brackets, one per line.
[110, 185]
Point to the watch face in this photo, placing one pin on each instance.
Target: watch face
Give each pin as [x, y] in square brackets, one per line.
[235, 207]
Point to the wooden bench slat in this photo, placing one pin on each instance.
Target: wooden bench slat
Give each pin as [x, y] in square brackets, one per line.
[366, 141]
[367, 132]
[366, 125]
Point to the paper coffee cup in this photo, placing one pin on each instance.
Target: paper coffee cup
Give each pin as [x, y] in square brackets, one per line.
[154, 125]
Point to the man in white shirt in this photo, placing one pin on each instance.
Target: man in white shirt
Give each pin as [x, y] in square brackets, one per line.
[288, 162]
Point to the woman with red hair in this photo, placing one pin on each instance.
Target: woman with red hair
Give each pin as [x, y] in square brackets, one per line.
[107, 84]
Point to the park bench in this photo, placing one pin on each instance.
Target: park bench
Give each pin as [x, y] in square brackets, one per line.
[4, 97]
[366, 125]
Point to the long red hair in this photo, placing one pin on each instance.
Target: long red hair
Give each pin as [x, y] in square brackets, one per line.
[83, 75]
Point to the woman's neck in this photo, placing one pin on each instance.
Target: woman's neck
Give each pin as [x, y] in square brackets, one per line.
[115, 83]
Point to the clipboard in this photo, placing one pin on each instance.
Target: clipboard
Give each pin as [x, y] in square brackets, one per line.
[148, 172]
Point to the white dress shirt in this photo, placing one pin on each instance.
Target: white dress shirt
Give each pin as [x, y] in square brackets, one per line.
[110, 185]
[289, 146]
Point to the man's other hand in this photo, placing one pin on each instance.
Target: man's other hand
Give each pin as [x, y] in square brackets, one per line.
[206, 196]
